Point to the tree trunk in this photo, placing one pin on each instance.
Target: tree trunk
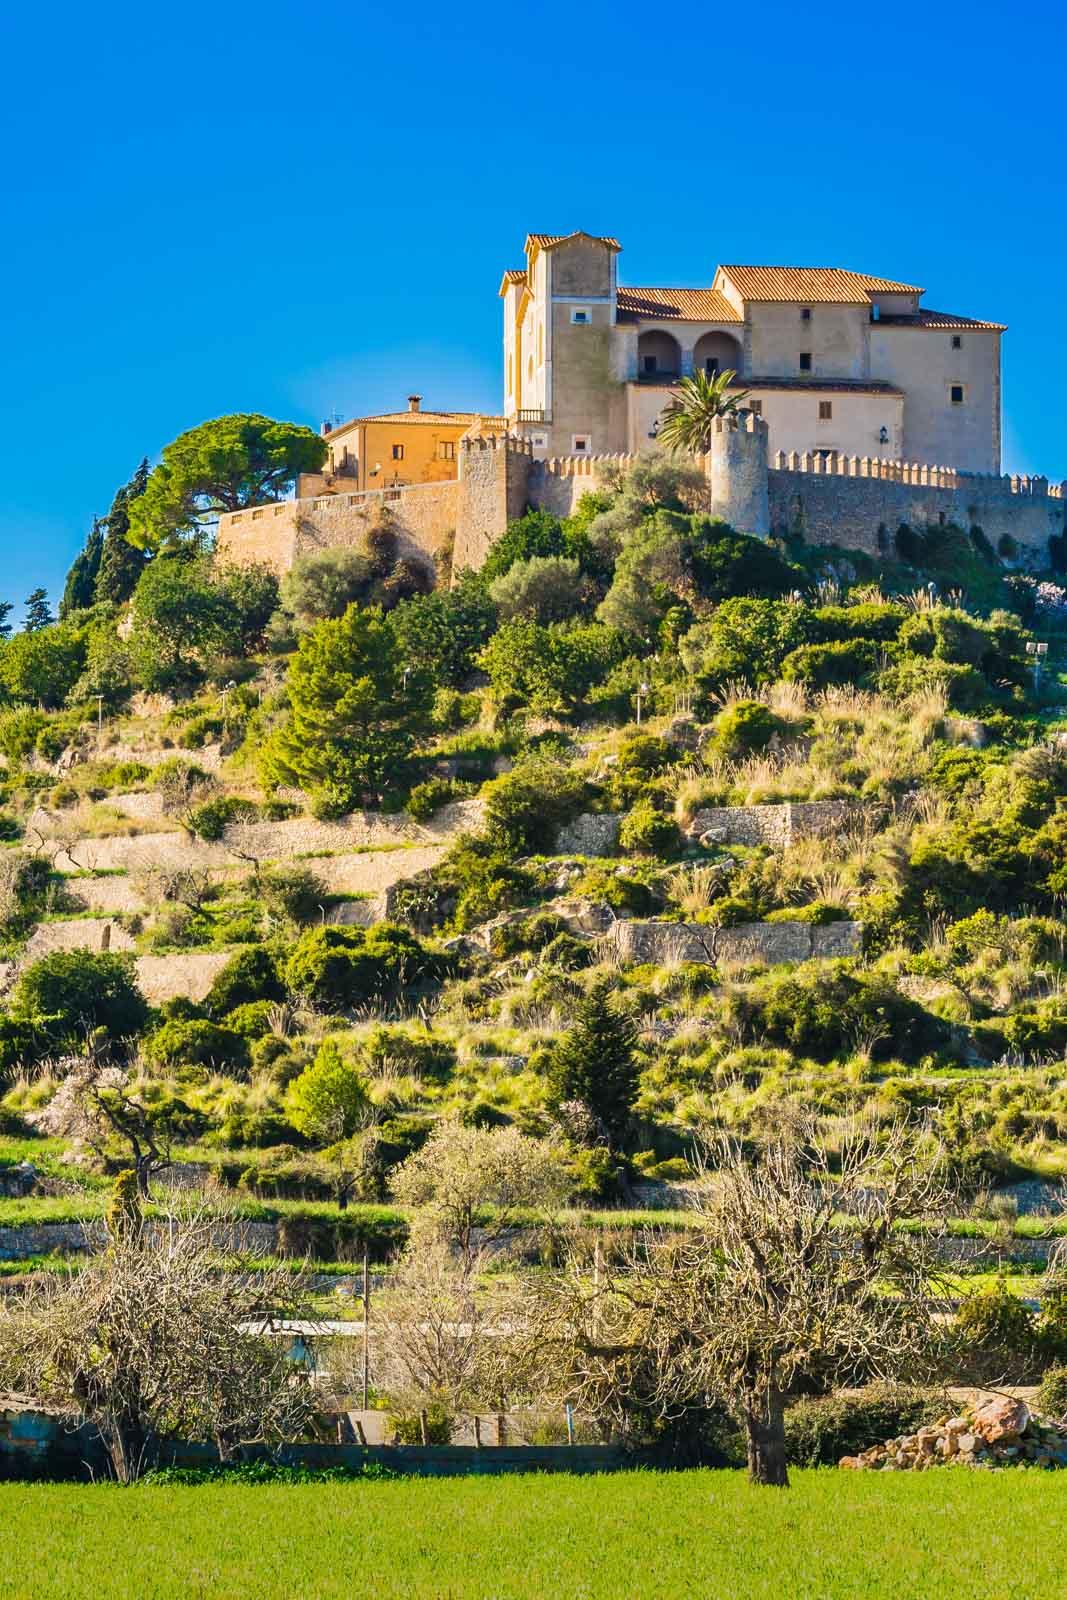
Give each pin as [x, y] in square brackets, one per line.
[765, 1430]
[127, 1448]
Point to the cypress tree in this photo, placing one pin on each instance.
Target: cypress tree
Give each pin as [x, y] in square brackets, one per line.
[594, 1064]
[121, 564]
[80, 589]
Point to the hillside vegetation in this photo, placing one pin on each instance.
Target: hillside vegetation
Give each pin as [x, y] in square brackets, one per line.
[308, 868]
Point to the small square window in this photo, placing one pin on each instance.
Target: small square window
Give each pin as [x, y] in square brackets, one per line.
[826, 410]
[756, 407]
[955, 393]
[447, 450]
[805, 314]
[805, 361]
[398, 452]
[957, 342]
[580, 444]
[579, 315]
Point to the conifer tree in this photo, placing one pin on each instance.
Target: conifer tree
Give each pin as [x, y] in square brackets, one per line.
[6, 609]
[38, 612]
[121, 564]
[80, 589]
[594, 1066]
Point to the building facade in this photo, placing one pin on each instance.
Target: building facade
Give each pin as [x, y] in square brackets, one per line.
[836, 362]
[394, 449]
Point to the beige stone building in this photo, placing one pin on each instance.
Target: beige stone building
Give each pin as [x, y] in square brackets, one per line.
[836, 362]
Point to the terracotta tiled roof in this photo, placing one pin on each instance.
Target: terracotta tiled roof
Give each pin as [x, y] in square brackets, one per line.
[943, 319]
[454, 419]
[545, 241]
[820, 285]
[512, 275]
[683, 305]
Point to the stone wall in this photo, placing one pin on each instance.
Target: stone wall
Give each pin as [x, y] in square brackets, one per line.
[663, 943]
[860, 504]
[776, 825]
[424, 516]
[591, 834]
[73, 1238]
[493, 481]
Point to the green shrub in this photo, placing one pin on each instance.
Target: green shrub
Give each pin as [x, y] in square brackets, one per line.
[526, 807]
[211, 820]
[342, 966]
[743, 730]
[247, 976]
[197, 1043]
[429, 797]
[649, 831]
[824, 1010]
[817, 666]
[997, 1337]
[819, 1432]
[295, 893]
[329, 1100]
[68, 994]
[251, 1020]
[407, 1425]
[1052, 1395]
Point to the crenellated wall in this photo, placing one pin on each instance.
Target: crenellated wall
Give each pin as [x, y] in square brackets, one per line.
[424, 516]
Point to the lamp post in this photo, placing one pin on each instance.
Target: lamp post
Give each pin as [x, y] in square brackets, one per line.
[642, 689]
[1038, 650]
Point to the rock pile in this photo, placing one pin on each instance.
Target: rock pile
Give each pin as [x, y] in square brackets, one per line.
[999, 1433]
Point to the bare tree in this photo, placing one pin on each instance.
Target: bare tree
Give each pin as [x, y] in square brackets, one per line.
[98, 1105]
[794, 1273]
[159, 1338]
[462, 1172]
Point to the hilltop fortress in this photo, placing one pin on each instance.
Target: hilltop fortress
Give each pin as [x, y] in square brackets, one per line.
[864, 410]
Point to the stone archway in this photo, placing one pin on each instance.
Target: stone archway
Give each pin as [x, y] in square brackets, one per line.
[716, 352]
[659, 356]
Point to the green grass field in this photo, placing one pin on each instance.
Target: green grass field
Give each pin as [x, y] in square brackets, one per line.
[667, 1536]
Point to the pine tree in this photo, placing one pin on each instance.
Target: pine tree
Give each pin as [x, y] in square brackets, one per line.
[80, 589]
[38, 612]
[120, 563]
[594, 1066]
[6, 609]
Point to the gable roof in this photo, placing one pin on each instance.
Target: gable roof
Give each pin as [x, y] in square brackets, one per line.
[942, 319]
[821, 285]
[682, 305]
[450, 419]
[512, 275]
[548, 241]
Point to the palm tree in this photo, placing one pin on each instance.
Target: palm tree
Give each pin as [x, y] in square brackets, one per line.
[697, 401]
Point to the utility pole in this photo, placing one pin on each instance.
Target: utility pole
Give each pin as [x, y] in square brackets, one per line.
[366, 1324]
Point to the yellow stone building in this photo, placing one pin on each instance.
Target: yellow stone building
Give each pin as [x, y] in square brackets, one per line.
[395, 448]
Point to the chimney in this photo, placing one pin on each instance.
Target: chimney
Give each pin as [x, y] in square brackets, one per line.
[414, 402]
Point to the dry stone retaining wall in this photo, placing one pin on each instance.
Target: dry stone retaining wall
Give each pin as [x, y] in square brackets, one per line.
[776, 825]
[663, 943]
[589, 835]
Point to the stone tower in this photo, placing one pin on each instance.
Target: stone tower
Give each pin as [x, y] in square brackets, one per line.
[737, 467]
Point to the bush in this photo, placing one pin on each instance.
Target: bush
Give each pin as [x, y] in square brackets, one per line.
[817, 666]
[197, 1043]
[743, 730]
[211, 820]
[429, 797]
[826, 1010]
[69, 994]
[1052, 1395]
[998, 1337]
[247, 976]
[407, 1425]
[251, 1020]
[329, 1101]
[341, 966]
[819, 1432]
[649, 831]
[526, 807]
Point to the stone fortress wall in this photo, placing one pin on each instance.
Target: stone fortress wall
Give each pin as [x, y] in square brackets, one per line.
[854, 502]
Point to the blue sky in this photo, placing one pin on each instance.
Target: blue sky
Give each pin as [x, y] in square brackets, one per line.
[296, 209]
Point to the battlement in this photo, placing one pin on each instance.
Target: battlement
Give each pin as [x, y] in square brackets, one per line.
[919, 474]
[739, 422]
[585, 466]
[511, 443]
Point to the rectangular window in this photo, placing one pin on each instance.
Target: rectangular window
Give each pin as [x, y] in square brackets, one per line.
[579, 315]
[955, 393]
[711, 366]
[447, 450]
[826, 410]
[649, 363]
[805, 361]
[957, 342]
[398, 452]
[580, 444]
[805, 314]
[756, 407]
